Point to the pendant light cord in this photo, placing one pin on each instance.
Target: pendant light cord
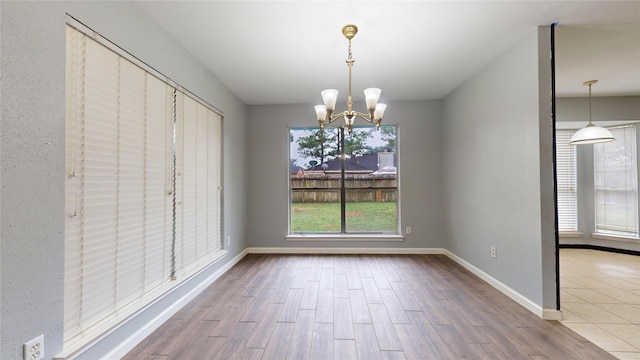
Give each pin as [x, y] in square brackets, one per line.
[589, 104]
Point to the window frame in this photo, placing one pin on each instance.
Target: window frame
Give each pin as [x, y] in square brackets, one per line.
[395, 235]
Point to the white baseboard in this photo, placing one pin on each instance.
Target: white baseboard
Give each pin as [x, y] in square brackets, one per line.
[127, 345]
[135, 338]
[328, 250]
[547, 314]
[552, 314]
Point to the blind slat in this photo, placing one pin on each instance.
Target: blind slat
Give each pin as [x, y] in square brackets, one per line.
[616, 183]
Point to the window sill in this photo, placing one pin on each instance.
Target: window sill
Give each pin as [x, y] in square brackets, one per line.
[571, 234]
[344, 237]
[614, 238]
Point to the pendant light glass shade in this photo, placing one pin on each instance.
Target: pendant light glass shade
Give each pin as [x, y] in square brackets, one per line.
[329, 97]
[591, 134]
[379, 112]
[371, 96]
[321, 112]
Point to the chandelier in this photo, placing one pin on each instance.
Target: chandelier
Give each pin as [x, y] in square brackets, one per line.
[325, 113]
[591, 134]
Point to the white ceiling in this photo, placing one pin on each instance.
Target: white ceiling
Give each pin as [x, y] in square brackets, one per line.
[283, 52]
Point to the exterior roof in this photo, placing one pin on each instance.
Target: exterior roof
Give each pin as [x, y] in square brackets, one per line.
[362, 163]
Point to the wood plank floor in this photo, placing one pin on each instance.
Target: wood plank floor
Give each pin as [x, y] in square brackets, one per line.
[357, 307]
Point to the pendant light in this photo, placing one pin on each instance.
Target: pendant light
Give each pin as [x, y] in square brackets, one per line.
[591, 134]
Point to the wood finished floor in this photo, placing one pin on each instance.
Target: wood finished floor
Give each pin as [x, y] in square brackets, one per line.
[357, 307]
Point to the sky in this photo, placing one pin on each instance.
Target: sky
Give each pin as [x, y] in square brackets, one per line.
[302, 161]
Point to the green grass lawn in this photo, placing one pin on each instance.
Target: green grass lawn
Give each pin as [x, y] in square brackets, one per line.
[361, 217]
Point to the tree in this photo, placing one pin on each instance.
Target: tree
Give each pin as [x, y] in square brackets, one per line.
[388, 134]
[355, 144]
[320, 144]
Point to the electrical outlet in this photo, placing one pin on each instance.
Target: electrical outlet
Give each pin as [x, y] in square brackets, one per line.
[408, 230]
[34, 349]
[228, 241]
[494, 252]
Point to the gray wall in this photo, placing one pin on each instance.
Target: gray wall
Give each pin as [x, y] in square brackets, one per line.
[494, 128]
[1, 126]
[608, 108]
[452, 155]
[419, 124]
[32, 154]
[604, 110]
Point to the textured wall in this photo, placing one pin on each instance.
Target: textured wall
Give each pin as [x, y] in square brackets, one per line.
[0, 169]
[32, 156]
[32, 162]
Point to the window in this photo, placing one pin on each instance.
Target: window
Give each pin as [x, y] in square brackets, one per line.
[357, 195]
[566, 182]
[616, 184]
[143, 186]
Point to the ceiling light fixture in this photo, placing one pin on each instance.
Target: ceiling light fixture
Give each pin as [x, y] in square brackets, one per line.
[591, 134]
[325, 113]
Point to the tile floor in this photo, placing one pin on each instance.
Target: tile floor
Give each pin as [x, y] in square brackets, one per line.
[600, 299]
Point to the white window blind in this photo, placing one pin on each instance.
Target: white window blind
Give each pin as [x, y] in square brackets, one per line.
[616, 184]
[198, 185]
[120, 248]
[566, 182]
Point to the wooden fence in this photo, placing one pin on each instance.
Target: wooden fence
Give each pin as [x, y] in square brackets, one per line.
[360, 188]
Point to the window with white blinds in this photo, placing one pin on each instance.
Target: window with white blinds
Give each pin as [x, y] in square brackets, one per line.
[197, 184]
[616, 183]
[143, 186]
[566, 182]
